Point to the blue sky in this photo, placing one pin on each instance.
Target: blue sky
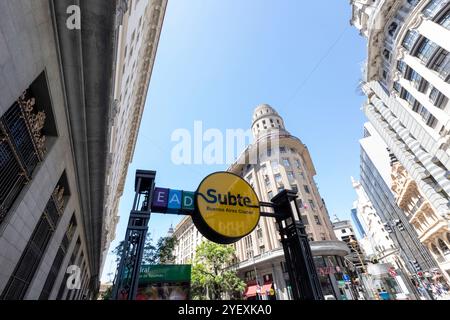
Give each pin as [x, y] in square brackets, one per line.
[218, 59]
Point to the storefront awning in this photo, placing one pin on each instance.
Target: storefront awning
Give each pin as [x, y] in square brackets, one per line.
[250, 291]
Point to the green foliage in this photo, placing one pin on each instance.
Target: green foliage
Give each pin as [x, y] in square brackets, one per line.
[162, 253]
[164, 250]
[210, 276]
[107, 294]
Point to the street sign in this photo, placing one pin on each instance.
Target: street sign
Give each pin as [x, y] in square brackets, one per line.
[346, 277]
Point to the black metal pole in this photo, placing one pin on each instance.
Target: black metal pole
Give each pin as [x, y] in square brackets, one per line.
[299, 259]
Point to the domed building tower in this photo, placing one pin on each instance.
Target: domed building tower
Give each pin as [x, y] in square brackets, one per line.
[282, 162]
[266, 120]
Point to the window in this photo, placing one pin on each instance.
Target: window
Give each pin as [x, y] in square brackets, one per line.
[305, 220]
[22, 146]
[286, 162]
[433, 8]
[269, 152]
[306, 189]
[262, 249]
[278, 177]
[445, 20]
[426, 50]
[401, 66]
[344, 231]
[312, 205]
[57, 262]
[283, 149]
[442, 65]
[291, 175]
[294, 187]
[270, 195]
[408, 97]
[410, 39]
[298, 163]
[24, 272]
[317, 220]
[274, 164]
[264, 169]
[397, 87]
[437, 98]
[416, 80]
[444, 248]
[259, 233]
[267, 181]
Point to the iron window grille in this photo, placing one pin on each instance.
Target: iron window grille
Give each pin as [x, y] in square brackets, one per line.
[22, 147]
[59, 258]
[24, 272]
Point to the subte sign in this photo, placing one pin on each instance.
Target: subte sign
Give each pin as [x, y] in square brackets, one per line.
[225, 208]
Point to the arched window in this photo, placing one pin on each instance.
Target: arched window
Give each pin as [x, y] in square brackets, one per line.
[445, 250]
[435, 250]
[392, 28]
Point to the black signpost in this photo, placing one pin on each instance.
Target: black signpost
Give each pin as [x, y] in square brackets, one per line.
[299, 259]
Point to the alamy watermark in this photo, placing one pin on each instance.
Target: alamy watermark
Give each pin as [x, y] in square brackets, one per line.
[215, 147]
[74, 279]
[73, 21]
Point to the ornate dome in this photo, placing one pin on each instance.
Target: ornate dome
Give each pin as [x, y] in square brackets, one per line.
[266, 120]
[263, 110]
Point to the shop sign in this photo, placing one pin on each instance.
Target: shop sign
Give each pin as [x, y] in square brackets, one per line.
[225, 208]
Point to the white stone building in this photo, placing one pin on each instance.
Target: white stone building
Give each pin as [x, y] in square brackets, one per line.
[283, 162]
[377, 242]
[407, 81]
[138, 37]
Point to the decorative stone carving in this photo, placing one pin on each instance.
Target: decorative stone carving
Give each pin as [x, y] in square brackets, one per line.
[58, 197]
[35, 122]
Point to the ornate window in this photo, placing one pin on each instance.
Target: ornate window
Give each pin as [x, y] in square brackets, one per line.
[444, 248]
[24, 129]
[57, 262]
[29, 262]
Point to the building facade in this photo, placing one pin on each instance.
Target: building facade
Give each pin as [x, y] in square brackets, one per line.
[376, 240]
[58, 112]
[188, 240]
[407, 81]
[432, 229]
[274, 162]
[376, 181]
[137, 42]
[284, 162]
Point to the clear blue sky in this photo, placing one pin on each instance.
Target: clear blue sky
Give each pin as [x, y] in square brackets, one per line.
[217, 60]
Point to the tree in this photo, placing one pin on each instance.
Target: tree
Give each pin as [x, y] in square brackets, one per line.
[162, 253]
[107, 294]
[164, 250]
[149, 255]
[210, 276]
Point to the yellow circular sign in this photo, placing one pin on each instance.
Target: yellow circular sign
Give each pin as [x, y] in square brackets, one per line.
[227, 208]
